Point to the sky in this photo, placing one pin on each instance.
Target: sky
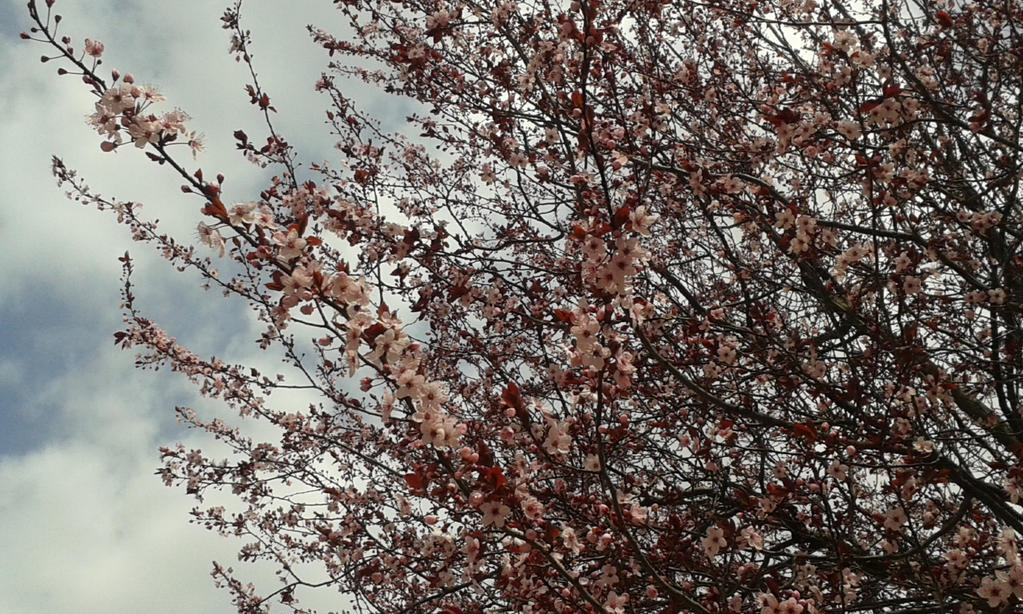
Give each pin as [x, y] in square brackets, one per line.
[85, 525]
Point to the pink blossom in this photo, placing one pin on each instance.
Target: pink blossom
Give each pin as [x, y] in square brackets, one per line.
[895, 518]
[494, 513]
[558, 441]
[409, 383]
[768, 604]
[903, 262]
[850, 130]
[790, 606]
[912, 285]
[585, 331]
[714, 541]
[785, 218]
[244, 213]
[93, 48]
[438, 20]
[118, 99]
[727, 353]
[144, 131]
[532, 508]
[642, 220]
[845, 40]
[173, 122]
[211, 237]
[571, 540]
[438, 430]
[1012, 578]
[433, 394]
[730, 185]
[994, 591]
[291, 244]
[838, 471]
[750, 538]
[615, 603]
[388, 347]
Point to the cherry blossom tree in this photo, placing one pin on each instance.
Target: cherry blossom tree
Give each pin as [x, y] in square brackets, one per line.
[695, 306]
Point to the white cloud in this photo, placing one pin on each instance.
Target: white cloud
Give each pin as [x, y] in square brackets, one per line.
[87, 526]
[88, 531]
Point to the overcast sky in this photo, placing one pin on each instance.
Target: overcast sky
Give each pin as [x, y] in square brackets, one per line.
[85, 525]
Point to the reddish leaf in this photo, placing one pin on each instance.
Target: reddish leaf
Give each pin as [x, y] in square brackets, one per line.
[621, 216]
[785, 116]
[416, 481]
[373, 332]
[512, 397]
[215, 208]
[870, 105]
[494, 477]
[362, 176]
[805, 431]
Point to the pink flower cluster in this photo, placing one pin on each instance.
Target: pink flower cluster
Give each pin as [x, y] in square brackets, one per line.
[122, 109]
[769, 604]
[613, 274]
[850, 257]
[437, 427]
[93, 48]
[588, 352]
[1007, 582]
